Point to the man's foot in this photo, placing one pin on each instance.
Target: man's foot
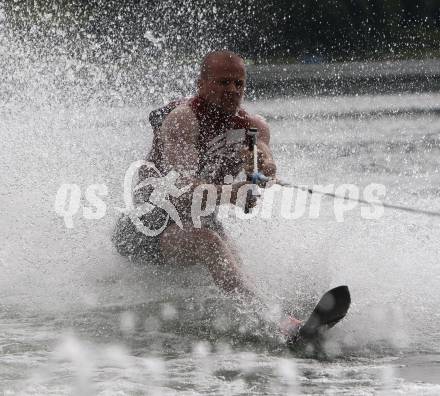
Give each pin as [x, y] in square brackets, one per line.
[290, 326]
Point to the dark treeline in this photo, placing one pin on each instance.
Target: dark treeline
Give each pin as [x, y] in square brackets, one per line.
[260, 29]
[344, 29]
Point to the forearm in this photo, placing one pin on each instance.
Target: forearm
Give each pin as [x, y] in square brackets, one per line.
[266, 164]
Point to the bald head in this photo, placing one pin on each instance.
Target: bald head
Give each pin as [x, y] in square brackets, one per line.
[219, 59]
[222, 80]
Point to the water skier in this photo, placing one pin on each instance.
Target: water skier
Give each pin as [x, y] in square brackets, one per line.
[203, 138]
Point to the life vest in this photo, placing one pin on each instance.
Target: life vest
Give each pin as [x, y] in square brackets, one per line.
[221, 138]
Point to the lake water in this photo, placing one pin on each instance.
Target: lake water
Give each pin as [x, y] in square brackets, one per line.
[76, 318]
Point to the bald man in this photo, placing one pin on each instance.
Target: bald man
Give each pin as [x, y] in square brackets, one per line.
[203, 138]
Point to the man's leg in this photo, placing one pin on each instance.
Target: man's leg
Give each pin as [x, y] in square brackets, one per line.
[204, 246]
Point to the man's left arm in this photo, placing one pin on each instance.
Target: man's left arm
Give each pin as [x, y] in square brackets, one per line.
[266, 164]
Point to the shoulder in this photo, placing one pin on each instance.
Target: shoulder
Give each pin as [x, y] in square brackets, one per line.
[182, 112]
[257, 121]
[181, 121]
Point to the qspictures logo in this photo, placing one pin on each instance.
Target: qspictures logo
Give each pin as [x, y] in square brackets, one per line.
[295, 201]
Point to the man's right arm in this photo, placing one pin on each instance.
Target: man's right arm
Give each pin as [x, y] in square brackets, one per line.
[179, 133]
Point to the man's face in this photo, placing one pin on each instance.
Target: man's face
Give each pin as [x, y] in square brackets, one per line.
[224, 84]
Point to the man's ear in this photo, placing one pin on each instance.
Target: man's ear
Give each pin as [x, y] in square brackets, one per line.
[199, 83]
[201, 87]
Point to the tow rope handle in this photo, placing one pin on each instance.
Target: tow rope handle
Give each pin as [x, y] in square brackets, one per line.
[256, 177]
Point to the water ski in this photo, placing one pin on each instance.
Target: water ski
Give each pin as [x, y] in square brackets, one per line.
[331, 308]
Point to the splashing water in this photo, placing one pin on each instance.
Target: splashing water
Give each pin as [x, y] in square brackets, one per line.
[77, 318]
